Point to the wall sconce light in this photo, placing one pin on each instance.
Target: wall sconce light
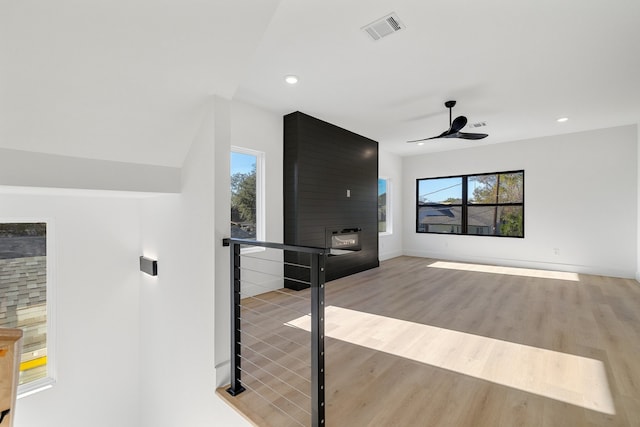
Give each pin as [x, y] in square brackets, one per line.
[149, 266]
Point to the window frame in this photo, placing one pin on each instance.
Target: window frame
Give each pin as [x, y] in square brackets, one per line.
[464, 205]
[388, 208]
[49, 380]
[260, 194]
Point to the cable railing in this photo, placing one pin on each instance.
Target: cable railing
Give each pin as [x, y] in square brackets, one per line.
[271, 357]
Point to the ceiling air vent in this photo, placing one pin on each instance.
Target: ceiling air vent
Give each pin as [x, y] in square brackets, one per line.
[477, 125]
[383, 27]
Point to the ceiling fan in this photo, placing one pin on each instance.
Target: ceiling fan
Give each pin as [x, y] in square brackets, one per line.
[454, 128]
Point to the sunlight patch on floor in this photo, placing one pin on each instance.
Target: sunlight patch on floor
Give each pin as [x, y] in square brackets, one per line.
[565, 377]
[511, 271]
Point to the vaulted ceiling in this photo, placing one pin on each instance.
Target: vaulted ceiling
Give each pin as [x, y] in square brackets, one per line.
[127, 80]
[122, 80]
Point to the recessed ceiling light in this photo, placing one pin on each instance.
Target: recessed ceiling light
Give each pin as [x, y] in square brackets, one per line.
[562, 119]
[291, 79]
[420, 143]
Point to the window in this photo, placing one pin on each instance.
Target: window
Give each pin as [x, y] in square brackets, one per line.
[489, 204]
[25, 298]
[384, 206]
[247, 213]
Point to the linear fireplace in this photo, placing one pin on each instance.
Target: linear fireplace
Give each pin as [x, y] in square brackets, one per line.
[342, 241]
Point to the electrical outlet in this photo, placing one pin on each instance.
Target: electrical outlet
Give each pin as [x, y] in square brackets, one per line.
[556, 251]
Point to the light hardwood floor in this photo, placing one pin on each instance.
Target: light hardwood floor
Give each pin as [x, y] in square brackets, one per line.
[420, 342]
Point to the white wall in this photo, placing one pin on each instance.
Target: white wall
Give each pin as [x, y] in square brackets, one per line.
[260, 130]
[135, 348]
[390, 167]
[177, 372]
[638, 218]
[222, 165]
[96, 280]
[581, 195]
[27, 169]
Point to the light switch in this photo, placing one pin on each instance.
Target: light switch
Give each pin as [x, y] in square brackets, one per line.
[348, 193]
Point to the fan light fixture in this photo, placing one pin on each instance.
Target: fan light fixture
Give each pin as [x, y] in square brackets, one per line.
[291, 79]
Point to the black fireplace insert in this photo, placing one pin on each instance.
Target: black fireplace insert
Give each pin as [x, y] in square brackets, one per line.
[342, 241]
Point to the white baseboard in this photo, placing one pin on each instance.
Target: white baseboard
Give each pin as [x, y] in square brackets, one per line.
[540, 265]
[223, 373]
[383, 256]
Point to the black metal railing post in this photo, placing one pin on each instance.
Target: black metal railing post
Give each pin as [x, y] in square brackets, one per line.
[236, 384]
[318, 258]
[317, 340]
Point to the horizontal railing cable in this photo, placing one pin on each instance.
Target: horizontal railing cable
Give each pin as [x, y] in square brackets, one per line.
[269, 330]
[270, 289]
[305, 362]
[275, 391]
[269, 316]
[270, 402]
[297, 359]
[291, 264]
[277, 276]
[272, 375]
[272, 356]
[304, 282]
[297, 344]
[305, 299]
[272, 361]
[302, 313]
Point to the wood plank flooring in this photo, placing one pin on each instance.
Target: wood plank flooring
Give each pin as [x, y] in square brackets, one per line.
[421, 342]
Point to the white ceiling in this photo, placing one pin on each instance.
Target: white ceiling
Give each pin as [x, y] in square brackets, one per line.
[122, 80]
[127, 80]
[518, 65]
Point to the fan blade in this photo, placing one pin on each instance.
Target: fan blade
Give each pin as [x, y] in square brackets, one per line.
[458, 123]
[451, 135]
[464, 135]
[444, 134]
[426, 139]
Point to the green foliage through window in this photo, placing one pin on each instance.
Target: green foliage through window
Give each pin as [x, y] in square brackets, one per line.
[243, 196]
[244, 202]
[490, 204]
[382, 205]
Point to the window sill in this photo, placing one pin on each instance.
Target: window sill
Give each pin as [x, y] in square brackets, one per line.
[35, 387]
[251, 250]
